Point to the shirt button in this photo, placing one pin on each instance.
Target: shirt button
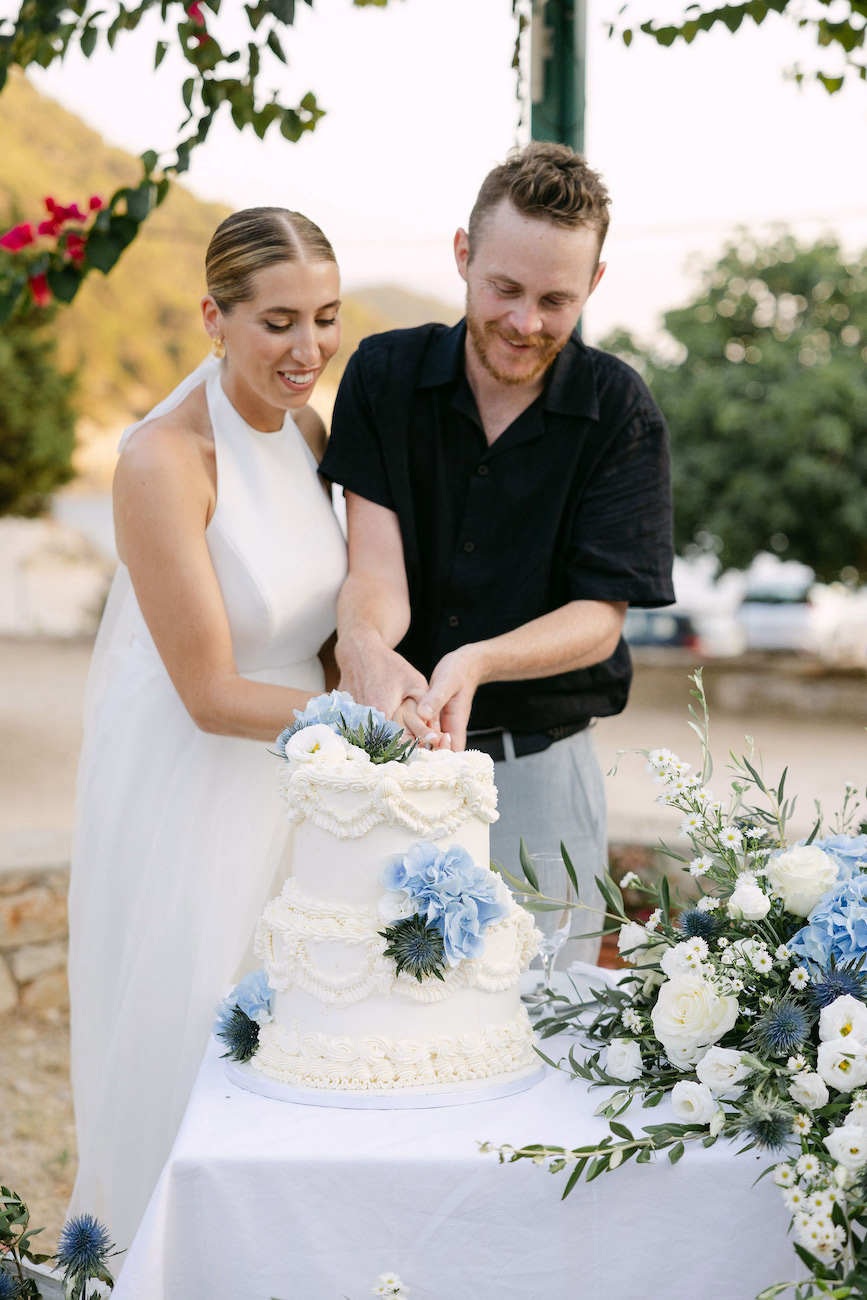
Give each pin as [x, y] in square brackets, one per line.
[469, 546]
[482, 469]
[453, 620]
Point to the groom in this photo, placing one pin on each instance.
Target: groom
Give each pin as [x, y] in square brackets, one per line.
[508, 497]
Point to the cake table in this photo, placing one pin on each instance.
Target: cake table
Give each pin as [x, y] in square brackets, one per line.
[263, 1198]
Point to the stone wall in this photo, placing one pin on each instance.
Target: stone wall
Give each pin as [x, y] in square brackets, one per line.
[33, 939]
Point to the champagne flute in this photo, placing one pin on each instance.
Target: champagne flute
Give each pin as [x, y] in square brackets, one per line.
[554, 922]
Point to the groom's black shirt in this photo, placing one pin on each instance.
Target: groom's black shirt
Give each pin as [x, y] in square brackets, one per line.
[571, 502]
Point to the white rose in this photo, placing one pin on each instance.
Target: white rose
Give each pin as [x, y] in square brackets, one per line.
[842, 1063]
[315, 742]
[690, 1013]
[748, 902]
[693, 1103]
[842, 1017]
[809, 1090]
[634, 936]
[848, 1146]
[395, 905]
[721, 1068]
[801, 876]
[624, 1060]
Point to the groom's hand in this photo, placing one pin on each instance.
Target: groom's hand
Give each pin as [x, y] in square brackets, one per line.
[376, 675]
[448, 701]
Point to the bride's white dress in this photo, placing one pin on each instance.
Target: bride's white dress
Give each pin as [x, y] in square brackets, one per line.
[178, 832]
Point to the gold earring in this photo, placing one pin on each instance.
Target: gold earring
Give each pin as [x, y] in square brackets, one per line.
[219, 349]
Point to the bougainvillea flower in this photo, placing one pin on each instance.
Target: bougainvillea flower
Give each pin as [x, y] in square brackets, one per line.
[75, 247]
[18, 237]
[60, 213]
[195, 15]
[40, 290]
[95, 203]
[50, 227]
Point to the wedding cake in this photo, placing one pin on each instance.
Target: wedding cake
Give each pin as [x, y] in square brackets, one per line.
[392, 955]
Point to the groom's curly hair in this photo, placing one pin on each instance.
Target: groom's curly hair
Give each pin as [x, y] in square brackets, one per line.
[547, 181]
[255, 238]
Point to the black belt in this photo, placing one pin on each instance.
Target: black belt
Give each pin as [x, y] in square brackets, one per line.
[525, 742]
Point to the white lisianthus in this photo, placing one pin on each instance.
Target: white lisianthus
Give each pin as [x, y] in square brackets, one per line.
[801, 876]
[690, 1016]
[842, 1063]
[848, 1146]
[693, 1103]
[748, 902]
[718, 1123]
[843, 1177]
[313, 743]
[842, 1017]
[624, 1060]
[809, 1090]
[722, 1068]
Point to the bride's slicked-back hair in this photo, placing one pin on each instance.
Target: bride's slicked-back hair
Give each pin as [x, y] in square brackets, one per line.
[252, 239]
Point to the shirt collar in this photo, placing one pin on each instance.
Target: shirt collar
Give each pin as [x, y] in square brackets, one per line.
[570, 388]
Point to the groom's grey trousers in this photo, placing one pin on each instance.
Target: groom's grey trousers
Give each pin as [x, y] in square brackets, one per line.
[557, 794]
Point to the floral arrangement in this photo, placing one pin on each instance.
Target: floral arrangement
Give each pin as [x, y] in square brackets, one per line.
[746, 1008]
[239, 1016]
[440, 904]
[83, 1250]
[333, 726]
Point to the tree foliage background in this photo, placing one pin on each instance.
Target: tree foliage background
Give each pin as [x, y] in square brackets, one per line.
[767, 406]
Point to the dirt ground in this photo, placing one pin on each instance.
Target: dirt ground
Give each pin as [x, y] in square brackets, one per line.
[37, 1134]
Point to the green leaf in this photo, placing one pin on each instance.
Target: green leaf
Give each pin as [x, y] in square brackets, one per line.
[570, 870]
[160, 53]
[103, 251]
[275, 47]
[527, 866]
[149, 161]
[620, 1130]
[64, 282]
[88, 41]
[676, 1152]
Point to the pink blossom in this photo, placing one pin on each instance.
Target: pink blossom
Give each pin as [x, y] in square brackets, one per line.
[17, 238]
[195, 15]
[40, 290]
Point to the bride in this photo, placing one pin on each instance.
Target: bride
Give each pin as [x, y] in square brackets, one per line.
[231, 560]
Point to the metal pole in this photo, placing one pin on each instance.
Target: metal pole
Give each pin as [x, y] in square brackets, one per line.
[558, 49]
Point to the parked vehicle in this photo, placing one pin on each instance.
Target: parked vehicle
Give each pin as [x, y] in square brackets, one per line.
[660, 627]
[777, 617]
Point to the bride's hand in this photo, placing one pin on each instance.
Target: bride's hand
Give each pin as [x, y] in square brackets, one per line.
[416, 728]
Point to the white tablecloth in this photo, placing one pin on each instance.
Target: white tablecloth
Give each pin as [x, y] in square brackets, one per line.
[264, 1199]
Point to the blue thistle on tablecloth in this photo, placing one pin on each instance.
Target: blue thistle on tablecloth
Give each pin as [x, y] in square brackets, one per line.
[695, 924]
[83, 1248]
[781, 1029]
[10, 1288]
[837, 982]
[768, 1121]
[240, 1034]
[415, 947]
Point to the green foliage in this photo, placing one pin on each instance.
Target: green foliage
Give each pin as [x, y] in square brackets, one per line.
[37, 419]
[45, 30]
[16, 1241]
[379, 740]
[844, 38]
[767, 406]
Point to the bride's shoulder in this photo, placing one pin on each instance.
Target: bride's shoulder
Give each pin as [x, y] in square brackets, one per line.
[181, 438]
[312, 430]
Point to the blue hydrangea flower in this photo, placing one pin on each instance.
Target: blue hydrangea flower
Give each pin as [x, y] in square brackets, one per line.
[336, 710]
[848, 851]
[451, 893]
[252, 996]
[83, 1246]
[836, 927]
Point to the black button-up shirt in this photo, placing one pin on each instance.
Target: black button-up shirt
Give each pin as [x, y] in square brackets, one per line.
[571, 502]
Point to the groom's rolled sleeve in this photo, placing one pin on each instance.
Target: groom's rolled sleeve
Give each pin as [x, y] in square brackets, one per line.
[354, 457]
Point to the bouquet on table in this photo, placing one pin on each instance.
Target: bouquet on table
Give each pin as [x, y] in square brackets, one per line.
[746, 1006]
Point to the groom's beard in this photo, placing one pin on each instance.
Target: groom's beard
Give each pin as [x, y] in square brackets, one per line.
[528, 367]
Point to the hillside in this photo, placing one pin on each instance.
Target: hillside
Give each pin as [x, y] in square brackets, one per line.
[135, 333]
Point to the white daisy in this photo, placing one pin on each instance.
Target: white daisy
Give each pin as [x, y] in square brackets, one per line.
[784, 1175]
[801, 1125]
[730, 837]
[699, 866]
[799, 978]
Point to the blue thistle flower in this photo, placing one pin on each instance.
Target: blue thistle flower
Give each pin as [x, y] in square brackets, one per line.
[781, 1029]
[836, 982]
[768, 1121]
[415, 947]
[695, 924]
[10, 1287]
[241, 1036]
[83, 1247]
